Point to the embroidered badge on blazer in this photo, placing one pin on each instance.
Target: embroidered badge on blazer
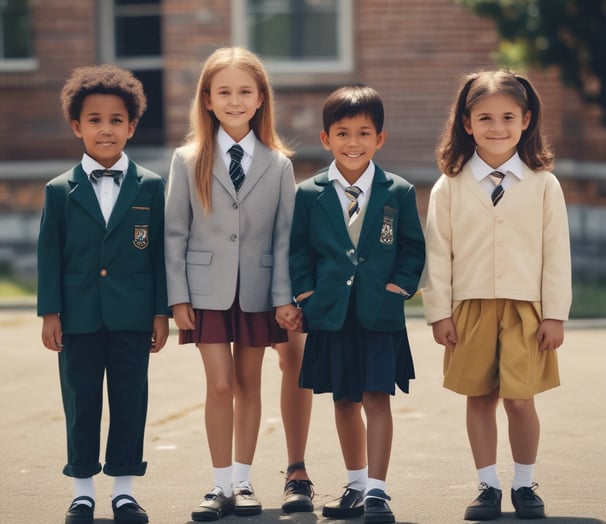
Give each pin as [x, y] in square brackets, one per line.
[386, 235]
[141, 237]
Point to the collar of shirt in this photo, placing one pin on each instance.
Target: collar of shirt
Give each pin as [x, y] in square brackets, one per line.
[481, 171]
[89, 164]
[248, 145]
[339, 183]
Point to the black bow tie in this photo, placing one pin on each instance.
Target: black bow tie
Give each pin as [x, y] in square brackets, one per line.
[98, 173]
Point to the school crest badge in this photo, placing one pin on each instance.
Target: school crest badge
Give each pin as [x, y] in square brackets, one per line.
[141, 236]
[386, 235]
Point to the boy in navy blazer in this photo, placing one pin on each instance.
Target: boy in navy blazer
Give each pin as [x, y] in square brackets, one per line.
[102, 286]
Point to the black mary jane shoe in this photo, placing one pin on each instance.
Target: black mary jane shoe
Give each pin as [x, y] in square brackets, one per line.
[130, 512]
[376, 508]
[79, 513]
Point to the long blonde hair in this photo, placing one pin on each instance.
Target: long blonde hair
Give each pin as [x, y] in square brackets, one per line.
[204, 124]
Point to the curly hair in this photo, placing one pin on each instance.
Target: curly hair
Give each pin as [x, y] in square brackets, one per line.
[102, 79]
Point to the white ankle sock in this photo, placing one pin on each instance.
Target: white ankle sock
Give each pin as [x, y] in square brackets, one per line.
[375, 484]
[123, 485]
[84, 488]
[488, 475]
[223, 480]
[241, 474]
[357, 478]
[522, 476]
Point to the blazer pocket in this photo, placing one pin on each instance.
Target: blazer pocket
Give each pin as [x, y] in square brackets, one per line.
[199, 258]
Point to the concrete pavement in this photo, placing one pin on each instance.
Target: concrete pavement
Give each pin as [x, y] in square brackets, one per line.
[431, 477]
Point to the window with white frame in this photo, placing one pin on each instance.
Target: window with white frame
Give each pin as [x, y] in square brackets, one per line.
[15, 36]
[296, 36]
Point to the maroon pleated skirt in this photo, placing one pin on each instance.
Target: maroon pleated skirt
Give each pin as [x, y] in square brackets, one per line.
[234, 325]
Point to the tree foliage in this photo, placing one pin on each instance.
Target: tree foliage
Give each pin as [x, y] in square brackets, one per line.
[569, 34]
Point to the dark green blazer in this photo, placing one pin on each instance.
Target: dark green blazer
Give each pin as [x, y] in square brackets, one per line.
[391, 248]
[93, 275]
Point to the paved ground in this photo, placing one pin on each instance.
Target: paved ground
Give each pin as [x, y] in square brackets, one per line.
[431, 477]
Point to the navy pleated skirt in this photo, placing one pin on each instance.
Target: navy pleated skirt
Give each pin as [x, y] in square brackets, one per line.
[354, 360]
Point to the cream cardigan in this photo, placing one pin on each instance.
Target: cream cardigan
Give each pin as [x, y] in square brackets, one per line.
[518, 250]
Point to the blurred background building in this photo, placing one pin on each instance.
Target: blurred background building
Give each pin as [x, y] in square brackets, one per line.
[412, 51]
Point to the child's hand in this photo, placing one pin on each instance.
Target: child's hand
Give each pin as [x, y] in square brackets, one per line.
[445, 333]
[184, 316]
[550, 334]
[160, 334]
[394, 288]
[51, 332]
[289, 317]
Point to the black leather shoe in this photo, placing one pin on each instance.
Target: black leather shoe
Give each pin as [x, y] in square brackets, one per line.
[128, 513]
[246, 503]
[80, 513]
[214, 506]
[527, 503]
[351, 504]
[486, 506]
[376, 509]
[298, 495]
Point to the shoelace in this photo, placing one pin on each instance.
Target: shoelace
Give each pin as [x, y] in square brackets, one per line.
[486, 492]
[299, 487]
[527, 493]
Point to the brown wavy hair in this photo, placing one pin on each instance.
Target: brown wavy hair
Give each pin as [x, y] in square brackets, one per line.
[456, 146]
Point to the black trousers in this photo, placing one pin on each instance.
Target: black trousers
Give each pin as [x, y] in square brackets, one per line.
[122, 356]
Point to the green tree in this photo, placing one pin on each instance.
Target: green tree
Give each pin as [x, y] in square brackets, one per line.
[569, 34]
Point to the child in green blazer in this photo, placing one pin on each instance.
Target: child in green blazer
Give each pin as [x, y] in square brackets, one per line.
[102, 286]
[356, 253]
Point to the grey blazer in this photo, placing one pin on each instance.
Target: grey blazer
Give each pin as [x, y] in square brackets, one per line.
[243, 241]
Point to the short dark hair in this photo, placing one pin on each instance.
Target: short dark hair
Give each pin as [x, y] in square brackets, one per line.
[102, 79]
[350, 101]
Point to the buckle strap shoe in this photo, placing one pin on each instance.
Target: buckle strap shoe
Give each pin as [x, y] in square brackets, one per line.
[487, 505]
[214, 506]
[350, 504]
[79, 513]
[376, 509]
[527, 503]
[246, 502]
[298, 495]
[128, 513]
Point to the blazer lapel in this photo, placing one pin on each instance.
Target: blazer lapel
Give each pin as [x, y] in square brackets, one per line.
[260, 164]
[329, 201]
[221, 174]
[375, 205]
[83, 193]
[128, 191]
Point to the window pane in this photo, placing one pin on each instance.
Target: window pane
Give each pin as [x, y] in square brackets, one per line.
[294, 29]
[138, 36]
[15, 34]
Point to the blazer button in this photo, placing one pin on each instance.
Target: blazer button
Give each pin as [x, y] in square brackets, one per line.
[103, 272]
[233, 237]
[235, 205]
[350, 281]
[351, 251]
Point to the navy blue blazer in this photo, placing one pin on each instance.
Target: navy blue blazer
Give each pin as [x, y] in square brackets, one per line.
[323, 258]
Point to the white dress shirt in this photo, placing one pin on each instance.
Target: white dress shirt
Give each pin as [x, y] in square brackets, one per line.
[106, 189]
[248, 145]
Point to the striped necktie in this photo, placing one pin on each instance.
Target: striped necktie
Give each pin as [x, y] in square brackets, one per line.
[236, 172]
[497, 192]
[352, 192]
